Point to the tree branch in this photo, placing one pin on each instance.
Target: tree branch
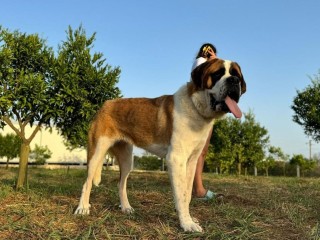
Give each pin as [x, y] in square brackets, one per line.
[36, 130]
[18, 118]
[16, 130]
[25, 122]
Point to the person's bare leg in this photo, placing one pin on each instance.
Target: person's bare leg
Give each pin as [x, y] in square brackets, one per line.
[198, 188]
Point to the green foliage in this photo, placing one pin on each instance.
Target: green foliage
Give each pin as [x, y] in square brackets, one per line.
[147, 162]
[26, 68]
[298, 159]
[9, 146]
[40, 89]
[66, 91]
[277, 154]
[274, 154]
[309, 165]
[40, 154]
[307, 109]
[26, 73]
[235, 142]
[303, 163]
[83, 82]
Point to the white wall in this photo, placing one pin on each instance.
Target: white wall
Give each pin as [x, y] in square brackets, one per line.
[54, 143]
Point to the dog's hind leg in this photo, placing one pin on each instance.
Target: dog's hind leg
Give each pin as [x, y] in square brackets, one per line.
[94, 163]
[123, 153]
[97, 176]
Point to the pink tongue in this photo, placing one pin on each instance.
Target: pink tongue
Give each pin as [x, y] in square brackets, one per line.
[233, 107]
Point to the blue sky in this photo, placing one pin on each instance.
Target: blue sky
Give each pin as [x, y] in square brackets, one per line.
[276, 42]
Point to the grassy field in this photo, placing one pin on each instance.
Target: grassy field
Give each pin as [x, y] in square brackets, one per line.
[254, 208]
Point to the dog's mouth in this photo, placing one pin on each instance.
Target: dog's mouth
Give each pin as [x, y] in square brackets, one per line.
[229, 104]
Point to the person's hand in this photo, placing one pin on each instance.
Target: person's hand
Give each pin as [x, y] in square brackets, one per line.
[211, 54]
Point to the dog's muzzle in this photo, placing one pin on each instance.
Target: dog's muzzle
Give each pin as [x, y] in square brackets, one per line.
[218, 105]
[232, 90]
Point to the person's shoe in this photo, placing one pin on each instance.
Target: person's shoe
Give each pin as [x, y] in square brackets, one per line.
[211, 196]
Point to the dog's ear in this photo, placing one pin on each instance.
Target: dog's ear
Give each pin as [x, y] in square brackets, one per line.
[196, 76]
[242, 81]
[243, 85]
[200, 77]
[236, 67]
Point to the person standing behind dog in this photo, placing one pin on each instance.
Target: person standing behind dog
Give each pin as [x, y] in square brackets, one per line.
[206, 52]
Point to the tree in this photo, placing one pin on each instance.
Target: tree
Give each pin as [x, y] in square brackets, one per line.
[9, 146]
[298, 161]
[309, 165]
[83, 82]
[274, 154]
[235, 142]
[40, 154]
[307, 108]
[26, 70]
[255, 140]
[277, 154]
[40, 90]
[219, 151]
[147, 162]
[302, 164]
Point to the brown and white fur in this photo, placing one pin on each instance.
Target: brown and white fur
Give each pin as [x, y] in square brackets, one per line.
[173, 126]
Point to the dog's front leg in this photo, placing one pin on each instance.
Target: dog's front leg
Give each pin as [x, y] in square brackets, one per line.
[177, 167]
[191, 170]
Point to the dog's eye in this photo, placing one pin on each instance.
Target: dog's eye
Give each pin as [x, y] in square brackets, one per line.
[218, 74]
[235, 73]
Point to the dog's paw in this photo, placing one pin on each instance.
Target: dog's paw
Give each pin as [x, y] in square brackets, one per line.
[196, 220]
[191, 226]
[82, 210]
[127, 209]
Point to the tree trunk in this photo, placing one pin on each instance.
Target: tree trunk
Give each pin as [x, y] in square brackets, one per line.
[7, 163]
[239, 169]
[255, 171]
[163, 164]
[23, 165]
[298, 171]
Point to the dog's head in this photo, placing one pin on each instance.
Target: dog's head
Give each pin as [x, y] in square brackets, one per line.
[217, 87]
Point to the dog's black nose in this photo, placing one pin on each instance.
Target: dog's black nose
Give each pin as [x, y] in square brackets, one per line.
[233, 80]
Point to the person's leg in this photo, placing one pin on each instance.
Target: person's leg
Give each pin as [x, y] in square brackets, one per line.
[198, 188]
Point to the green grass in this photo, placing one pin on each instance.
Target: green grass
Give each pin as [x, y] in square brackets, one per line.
[254, 208]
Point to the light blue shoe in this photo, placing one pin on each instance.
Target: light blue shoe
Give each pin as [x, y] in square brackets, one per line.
[211, 196]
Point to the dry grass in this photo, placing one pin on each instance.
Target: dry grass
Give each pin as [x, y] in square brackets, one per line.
[254, 208]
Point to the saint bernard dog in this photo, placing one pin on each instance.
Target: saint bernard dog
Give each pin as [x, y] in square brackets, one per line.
[174, 127]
